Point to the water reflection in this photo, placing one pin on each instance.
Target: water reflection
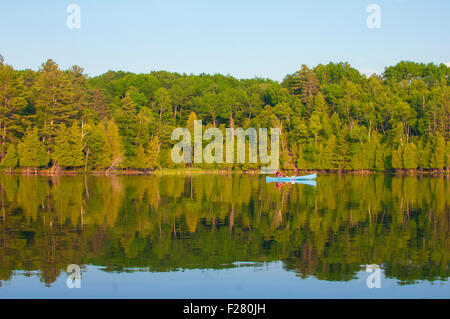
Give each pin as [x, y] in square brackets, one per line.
[168, 223]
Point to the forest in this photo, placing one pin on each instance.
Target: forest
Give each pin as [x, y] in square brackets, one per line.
[331, 117]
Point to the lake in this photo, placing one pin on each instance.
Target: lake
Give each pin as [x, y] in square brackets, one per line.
[224, 236]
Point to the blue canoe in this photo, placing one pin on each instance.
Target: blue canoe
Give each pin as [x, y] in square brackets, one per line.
[291, 178]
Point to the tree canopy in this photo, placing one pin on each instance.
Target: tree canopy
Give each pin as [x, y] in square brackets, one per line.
[331, 116]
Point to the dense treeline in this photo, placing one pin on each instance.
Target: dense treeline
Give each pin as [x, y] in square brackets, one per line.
[211, 221]
[331, 116]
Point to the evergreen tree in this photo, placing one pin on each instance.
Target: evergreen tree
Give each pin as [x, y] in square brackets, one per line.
[329, 154]
[305, 84]
[10, 160]
[447, 156]
[315, 126]
[68, 147]
[300, 161]
[98, 148]
[115, 143]
[410, 156]
[424, 153]
[163, 103]
[99, 103]
[128, 127]
[190, 122]
[153, 152]
[439, 150]
[31, 151]
[380, 158]
[140, 161]
[357, 157]
[53, 97]
[12, 104]
[80, 95]
[397, 158]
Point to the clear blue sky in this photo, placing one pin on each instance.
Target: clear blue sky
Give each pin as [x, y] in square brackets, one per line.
[241, 38]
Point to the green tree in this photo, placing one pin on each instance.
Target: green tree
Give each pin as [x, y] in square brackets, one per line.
[98, 148]
[68, 147]
[12, 104]
[410, 156]
[115, 143]
[152, 153]
[439, 150]
[140, 161]
[163, 103]
[11, 159]
[31, 151]
[329, 154]
[80, 95]
[52, 98]
[397, 158]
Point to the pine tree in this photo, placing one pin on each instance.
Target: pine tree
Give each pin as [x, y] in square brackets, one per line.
[190, 122]
[310, 155]
[140, 161]
[163, 103]
[98, 148]
[153, 153]
[128, 127]
[438, 157]
[12, 103]
[357, 157]
[424, 153]
[53, 99]
[80, 97]
[397, 158]
[305, 84]
[68, 147]
[329, 154]
[315, 125]
[380, 158]
[410, 156]
[342, 150]
[99, 104]
[10, 160]
[447, 156]
[371, 152]
[300, 160]
[147, 158]
[61, 148]
[31, 151]
[115, 143]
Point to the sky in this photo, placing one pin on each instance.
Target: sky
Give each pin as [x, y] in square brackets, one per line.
[244, 38]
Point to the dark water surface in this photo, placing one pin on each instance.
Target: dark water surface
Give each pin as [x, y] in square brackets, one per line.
[215, 236]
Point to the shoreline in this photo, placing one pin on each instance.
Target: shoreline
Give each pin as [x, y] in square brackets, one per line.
[182, 171]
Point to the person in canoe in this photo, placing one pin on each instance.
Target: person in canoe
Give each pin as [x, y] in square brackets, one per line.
[279, 174]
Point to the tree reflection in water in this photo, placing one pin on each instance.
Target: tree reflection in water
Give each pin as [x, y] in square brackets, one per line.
[211, 221]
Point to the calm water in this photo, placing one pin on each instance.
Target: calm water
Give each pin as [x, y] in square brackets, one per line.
[214, 236]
